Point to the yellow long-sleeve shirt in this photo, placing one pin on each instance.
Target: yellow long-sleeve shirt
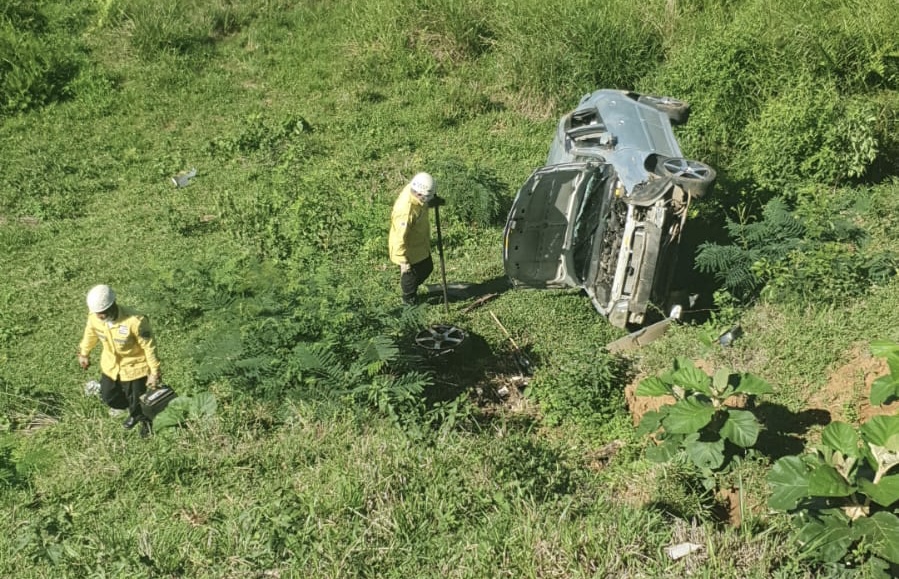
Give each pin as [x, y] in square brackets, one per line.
[129, 348]
[410, 232]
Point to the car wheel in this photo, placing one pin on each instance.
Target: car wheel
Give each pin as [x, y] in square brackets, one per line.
[678, 111]
[694, 177]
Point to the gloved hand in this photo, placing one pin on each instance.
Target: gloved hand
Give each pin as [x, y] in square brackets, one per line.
[153, 381]
[437, 202]
[84, 362]
[405, 267]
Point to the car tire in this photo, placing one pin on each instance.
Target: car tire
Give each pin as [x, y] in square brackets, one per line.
[678, 111]
[694, 177]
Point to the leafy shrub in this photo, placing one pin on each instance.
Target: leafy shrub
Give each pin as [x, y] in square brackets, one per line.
[186, 409]
[474, 196]
[722, 74]
[701, 422]
[771, 238]
[811, 254]
[34, 69]
[841, 494]
[810, 133]
[581, 386]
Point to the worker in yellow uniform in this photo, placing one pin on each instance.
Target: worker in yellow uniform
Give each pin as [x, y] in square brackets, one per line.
[410, 234]
[128, 362]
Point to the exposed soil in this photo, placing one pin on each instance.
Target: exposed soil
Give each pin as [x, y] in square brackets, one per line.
[846, 392]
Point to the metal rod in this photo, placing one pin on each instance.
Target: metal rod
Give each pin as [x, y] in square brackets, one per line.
[440, 253]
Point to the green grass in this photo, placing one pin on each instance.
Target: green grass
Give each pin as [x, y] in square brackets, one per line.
[304, 119]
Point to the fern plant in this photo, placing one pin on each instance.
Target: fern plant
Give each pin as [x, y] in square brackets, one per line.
[770, 239]
[810, 254]
[366, 378]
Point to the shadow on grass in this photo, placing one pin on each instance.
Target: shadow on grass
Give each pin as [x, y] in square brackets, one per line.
[785, 430]
[491, 380]
[464, 291]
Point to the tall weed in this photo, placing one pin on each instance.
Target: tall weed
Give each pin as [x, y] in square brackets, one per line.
[810, 134]
[561, 51]
[35, 69]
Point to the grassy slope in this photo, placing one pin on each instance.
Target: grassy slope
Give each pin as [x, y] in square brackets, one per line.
[283, 490]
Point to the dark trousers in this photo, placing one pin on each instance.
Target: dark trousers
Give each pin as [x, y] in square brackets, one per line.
[413, 278]
[122, 394]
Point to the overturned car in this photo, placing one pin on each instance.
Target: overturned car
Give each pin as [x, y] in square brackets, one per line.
[606, 212]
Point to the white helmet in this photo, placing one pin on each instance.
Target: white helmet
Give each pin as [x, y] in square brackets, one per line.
[424, 185]
[100, 298]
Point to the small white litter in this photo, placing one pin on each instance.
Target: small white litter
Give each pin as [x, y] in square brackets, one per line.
[183, 178]
[681, 550]
[92, 388]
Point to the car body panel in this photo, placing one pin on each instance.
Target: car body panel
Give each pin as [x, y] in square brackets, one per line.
[613, 126]
[540, 226]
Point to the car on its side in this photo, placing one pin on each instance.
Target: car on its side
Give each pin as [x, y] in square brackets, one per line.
[606, 212]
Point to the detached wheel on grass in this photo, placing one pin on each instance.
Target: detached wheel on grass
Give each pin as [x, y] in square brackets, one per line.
[694, 177]
[440, 339]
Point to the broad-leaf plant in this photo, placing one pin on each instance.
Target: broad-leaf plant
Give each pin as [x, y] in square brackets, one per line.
[844, 493]
[704, 419]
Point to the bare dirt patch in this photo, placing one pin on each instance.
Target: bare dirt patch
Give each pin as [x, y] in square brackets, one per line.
[846, 392]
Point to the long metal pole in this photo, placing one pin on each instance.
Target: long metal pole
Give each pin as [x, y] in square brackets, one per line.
[440, 253]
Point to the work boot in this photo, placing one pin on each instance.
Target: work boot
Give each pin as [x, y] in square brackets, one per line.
[130, 422]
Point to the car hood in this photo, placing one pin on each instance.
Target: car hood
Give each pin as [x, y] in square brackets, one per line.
[539, 230]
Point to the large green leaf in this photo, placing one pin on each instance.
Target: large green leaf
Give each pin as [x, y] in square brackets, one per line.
[893, 363]
[882, 531]
[826, 481]
[827, 539]
[882, 431]
[720, 382]
[752, 384]
[687, 416]
[741, 428]
[692, 378]
[789, 483]
[663, 452]
[653, 386]
[650, 422]
[708, 455]
[842, 437]
[884, 348]
[884, 493]
[203, 405]
[883, 389]
[175, 413]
